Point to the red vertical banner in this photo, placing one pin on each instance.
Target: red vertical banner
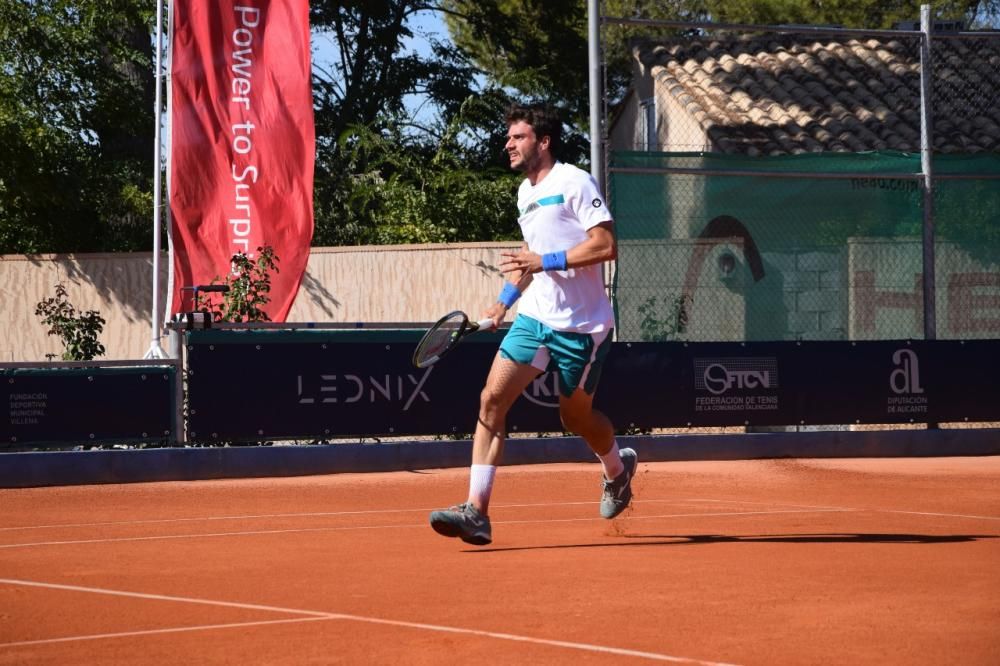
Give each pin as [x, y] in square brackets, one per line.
[242, 141]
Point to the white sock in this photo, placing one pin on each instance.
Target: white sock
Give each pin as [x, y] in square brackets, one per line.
[612, 462]
[481, 486]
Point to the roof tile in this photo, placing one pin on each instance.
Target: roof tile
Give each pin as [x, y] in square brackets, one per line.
[785, 94]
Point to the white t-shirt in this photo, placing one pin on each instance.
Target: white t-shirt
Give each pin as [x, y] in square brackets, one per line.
[555, 215]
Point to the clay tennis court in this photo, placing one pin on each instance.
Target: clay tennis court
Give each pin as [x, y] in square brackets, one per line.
[749, 562]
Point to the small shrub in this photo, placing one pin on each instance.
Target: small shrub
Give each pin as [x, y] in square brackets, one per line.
[249, 285]
[79, 331]
[653, 328]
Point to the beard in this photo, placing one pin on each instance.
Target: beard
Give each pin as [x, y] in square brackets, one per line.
[521, 163]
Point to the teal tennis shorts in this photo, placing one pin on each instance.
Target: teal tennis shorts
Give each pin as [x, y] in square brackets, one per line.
[579, 357]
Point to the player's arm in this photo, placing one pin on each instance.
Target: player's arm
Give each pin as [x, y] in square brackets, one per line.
[599, 246]
[514, 286]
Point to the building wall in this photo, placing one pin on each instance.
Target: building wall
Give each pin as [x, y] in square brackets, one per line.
[885, 298]
[399, 283]
[654, 274]
[813, 293]
[854, 293]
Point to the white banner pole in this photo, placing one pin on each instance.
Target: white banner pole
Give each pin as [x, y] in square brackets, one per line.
[155, 350]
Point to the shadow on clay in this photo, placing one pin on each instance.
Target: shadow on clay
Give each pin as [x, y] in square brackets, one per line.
[692, 539]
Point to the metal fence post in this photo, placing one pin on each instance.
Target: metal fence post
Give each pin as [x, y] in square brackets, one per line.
[926, 146]
[594, 72]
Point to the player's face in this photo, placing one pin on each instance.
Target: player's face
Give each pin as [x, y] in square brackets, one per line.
[523, 147]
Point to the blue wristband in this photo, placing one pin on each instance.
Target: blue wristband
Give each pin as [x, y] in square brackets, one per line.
[509, 294]
[554, 261]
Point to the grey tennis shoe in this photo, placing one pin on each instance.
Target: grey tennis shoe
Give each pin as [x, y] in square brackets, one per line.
[618, 493]
[463, 521]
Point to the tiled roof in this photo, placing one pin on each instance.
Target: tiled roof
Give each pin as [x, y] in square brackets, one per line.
[786, 94]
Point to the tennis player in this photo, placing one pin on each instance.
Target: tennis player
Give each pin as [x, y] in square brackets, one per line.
[564, 322]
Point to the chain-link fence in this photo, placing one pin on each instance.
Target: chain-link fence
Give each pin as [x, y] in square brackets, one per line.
[767, 183]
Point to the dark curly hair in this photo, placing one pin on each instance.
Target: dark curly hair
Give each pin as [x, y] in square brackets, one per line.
[543, 119]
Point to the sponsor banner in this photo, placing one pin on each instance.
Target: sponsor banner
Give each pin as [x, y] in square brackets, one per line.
[323, 385]
[339, 389]
[829, 383]
[715, 384]
[737, 384]
[242, 142]
[77, 406]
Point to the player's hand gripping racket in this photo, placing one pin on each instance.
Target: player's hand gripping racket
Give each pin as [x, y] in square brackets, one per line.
[444, 336]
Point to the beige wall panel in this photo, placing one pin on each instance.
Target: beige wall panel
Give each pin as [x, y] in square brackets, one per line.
[399, 283]
[116, 285]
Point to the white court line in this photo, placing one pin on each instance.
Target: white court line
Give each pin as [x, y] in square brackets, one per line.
[931, 513]
[317, 514]
[677, 515]
[319, 615]
[168, 537]
[331, 514]
[398, 511]
[153, 632]
[163, 597]
[155, 521]
[806, 506]
[794, 506]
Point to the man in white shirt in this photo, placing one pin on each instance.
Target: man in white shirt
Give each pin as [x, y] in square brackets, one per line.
[564, 322]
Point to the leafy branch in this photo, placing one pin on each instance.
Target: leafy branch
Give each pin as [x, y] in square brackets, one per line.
[653, 328]
[78, 331]
[249, 291]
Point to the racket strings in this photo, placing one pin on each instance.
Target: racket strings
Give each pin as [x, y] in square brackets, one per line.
[440, 338]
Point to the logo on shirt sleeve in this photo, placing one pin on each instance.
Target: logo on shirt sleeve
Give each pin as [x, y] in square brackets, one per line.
[596, 203]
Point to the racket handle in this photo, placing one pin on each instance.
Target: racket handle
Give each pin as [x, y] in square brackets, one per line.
[484, 325]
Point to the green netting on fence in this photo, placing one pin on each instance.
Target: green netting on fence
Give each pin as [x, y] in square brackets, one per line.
[738, 250]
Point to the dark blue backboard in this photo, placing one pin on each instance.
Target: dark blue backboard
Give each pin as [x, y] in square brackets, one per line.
[810, 383]
[321, 384]
[61, 406]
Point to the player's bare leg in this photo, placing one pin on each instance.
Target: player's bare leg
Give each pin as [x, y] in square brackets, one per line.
[469, 521]
[504, 384]
[578, 415]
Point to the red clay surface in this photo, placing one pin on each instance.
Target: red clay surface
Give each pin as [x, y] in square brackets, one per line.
[752, 562]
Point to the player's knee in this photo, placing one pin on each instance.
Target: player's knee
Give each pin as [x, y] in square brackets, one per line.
[489, 401]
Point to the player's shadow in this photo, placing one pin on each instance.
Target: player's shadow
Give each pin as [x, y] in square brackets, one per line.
[696, 539]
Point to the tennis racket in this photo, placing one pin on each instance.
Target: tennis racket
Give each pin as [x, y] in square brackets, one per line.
[444, 336]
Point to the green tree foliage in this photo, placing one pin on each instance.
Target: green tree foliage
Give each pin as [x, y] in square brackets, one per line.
[383, 176]
[846, 13]
[76, 121]
[407, 196]
[76, 126]
[540, 48]
[76, 101]
[397, 188]
[537, 48]
[374, 69]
